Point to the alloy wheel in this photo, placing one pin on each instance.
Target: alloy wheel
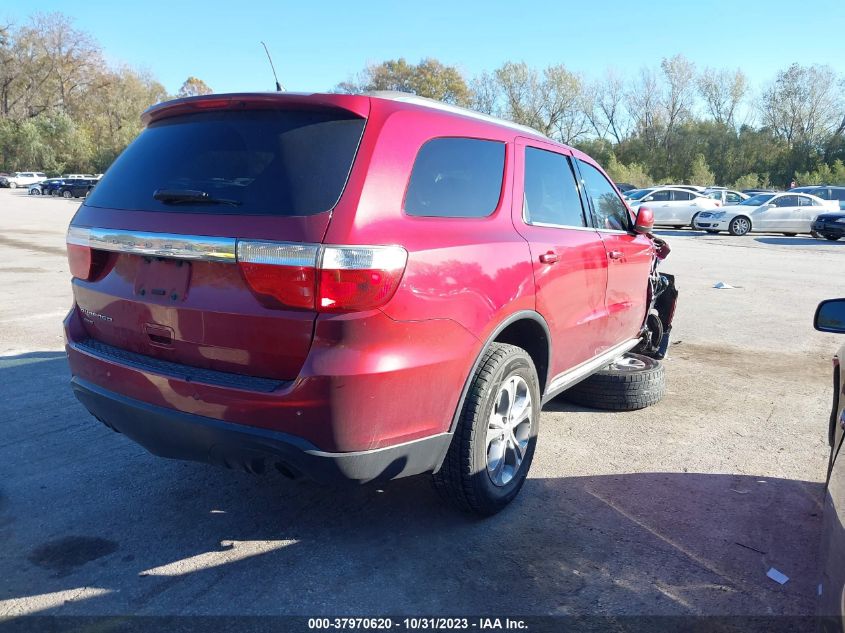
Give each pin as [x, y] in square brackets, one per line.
[508, 430]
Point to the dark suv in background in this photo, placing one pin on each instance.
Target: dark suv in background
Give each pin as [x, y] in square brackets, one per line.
[358, 288]
[75, 187]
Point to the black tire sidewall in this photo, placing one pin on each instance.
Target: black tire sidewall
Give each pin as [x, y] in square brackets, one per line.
[495, 497]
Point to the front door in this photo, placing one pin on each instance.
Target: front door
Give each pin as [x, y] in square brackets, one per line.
[629, 256]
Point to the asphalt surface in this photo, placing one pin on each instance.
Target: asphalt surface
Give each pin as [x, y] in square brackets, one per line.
[678, 509]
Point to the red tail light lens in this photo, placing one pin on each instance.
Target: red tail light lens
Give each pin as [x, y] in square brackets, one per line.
[280, 272]
[323, 278]
[85, 263]
[359, 278]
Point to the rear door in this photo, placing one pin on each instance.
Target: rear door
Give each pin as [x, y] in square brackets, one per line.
[177, 204]
[629, 256]
[568, 256]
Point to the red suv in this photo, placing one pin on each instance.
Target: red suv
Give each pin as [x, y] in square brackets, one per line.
[357, 288]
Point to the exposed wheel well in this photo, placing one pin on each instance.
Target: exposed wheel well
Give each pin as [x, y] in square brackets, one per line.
[530, 336]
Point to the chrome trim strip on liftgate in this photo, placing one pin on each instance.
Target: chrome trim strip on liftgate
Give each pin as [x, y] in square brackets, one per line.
[195, 247]
[579, 372]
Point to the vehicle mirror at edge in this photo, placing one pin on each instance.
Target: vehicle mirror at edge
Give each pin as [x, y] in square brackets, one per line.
[830, 316]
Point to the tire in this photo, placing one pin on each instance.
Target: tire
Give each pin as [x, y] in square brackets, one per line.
[632, 382]
[67, 194]
[830, 237]
[692, 219]
[35, 192]
[740, 225]
[711, 231]
[471, 477]
[790, 234]
[678, 226]
[13, 185]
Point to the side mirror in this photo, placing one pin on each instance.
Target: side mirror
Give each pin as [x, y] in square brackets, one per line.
[649, 199]
[771, 205]
[645, 220]
[830, 316]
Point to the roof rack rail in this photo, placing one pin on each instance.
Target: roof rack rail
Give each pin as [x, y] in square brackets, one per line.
[407, 97]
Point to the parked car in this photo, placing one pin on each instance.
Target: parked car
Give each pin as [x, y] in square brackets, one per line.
[672, 206]
[786, 213]
[693, 188]
[725, 196]
[754, 192]
[830, 317]
[44, 187]
[830, 226]
[362, 302]
[78, 188]
[22, 179]
[825, 192]
[624, 186]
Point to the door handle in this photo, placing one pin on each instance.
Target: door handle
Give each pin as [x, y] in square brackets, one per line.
[549, 258]
[615, 254]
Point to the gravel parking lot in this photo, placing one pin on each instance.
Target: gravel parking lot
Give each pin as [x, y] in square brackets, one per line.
[678, 509]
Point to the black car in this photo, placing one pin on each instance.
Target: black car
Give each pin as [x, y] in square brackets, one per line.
[754, 192]
[825, 192]
[76, 188]
[830, 317]
[830, 226]
[625, 186]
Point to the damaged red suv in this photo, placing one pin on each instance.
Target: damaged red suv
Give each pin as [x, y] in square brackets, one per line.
[357, 288]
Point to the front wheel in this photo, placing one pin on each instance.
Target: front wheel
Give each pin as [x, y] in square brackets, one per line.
[739, 226]
[830, 237]
[13, 185]
[35, 192]
[67, 194]
[493, 444]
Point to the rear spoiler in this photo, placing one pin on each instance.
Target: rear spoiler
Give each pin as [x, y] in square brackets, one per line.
[356, 104]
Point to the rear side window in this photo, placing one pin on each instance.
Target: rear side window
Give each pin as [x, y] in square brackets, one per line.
[456, 178]
[682, 195]
[250, 162]
[551, 194]
[608, 209]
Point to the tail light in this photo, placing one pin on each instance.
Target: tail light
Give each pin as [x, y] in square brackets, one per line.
[323, 278]
[85, 263]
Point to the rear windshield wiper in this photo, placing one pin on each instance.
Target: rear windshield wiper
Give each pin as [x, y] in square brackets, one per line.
[190, 196]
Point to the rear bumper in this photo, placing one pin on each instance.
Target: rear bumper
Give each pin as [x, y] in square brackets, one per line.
[179, 435]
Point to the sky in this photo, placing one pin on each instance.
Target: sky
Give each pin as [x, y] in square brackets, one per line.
[316, 45]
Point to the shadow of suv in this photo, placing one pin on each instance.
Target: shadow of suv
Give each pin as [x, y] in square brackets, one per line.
[357, 288]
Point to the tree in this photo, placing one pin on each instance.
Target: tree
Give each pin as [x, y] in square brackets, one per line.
[700, 173]
[193, 87]
[722, 91]
[802, 106]
[634, 174]
[430, 78]
[604, 107]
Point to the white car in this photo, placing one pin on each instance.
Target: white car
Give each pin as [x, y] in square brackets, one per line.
[672, 206]
[24, 178]
[725, 196]
[787, 213]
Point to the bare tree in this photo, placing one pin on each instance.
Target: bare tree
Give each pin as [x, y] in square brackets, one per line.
[643, 102]
[679, 91]
[723, 92]
[604, 106]
[802, 105]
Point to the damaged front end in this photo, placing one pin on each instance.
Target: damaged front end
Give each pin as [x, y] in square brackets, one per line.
[662, 298]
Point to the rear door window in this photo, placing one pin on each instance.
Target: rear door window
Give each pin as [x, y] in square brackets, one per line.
[248, 162]
[551, 193]
[682, 195]
[456, 178]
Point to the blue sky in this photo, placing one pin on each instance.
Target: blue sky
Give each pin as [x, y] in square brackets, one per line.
[318, 44]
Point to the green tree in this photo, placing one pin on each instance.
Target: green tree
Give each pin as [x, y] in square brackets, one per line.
[700, 173]
[193, 87]
[430, 78]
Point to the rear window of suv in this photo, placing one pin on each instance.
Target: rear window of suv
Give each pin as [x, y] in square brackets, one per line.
[249, 162]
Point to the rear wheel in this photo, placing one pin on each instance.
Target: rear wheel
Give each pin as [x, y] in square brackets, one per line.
[632, 381]
[739, 226]
[692, 220]
[494, 441]
[830, 237]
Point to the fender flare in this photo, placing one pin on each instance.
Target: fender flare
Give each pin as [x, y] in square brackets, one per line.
[510, 319]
